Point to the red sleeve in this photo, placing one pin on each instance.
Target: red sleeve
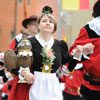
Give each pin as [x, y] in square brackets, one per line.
[5, 89]
[12, 44]
[62, 78]
[81, 39]
[10, 82]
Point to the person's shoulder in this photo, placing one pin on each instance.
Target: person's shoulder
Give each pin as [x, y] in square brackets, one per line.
[56, 40]
[86, 27]
[62, 44]
[31, 38]
[18, 37]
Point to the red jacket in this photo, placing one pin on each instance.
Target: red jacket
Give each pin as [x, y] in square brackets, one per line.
[73, 82]
[93, 65]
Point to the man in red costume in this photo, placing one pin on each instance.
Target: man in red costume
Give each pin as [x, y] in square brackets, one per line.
[72, 83]
[90, 33]
[30, 25]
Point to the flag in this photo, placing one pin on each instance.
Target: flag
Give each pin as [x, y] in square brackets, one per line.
[65, 38]
[75, 4]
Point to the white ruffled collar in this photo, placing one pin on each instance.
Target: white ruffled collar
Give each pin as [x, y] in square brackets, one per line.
[49, 44]
[78, 66]
[19, 37]
[95, 25]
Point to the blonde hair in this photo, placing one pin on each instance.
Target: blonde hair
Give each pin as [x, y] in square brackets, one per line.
[51, 17]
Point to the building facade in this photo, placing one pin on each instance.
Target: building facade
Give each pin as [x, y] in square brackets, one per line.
[12, 12]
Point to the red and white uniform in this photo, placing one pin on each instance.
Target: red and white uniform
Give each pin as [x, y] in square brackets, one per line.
[90, 34]
[15, 41]
[73, 81]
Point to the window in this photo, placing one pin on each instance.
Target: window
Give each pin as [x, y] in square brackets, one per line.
[29, 2]
[20, 1]
[12, 35]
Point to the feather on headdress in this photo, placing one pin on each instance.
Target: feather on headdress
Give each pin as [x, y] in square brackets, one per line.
[47, 9]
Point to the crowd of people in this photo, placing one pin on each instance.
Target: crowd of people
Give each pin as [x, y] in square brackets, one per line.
[79, 65]
[5, 79]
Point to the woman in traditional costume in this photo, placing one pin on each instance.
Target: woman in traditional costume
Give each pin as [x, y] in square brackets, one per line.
[48, 55]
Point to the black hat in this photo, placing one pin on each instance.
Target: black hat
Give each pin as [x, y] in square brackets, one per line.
[1, 62]
[96, 9]
[27, 20]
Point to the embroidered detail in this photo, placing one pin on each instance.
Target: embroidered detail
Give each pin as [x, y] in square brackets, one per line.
[48, 58]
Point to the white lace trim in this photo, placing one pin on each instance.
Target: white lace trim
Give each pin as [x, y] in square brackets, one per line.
[18, 37]
[49, 44]
[95, 25]
[78, 66]
[81, 54]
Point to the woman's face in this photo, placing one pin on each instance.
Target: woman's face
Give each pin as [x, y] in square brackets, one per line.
[46, 24]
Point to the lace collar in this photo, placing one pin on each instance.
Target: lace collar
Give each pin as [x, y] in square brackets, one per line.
[49, 43]
[95, 25]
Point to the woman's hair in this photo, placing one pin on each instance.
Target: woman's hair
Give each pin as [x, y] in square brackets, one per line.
[48, 11]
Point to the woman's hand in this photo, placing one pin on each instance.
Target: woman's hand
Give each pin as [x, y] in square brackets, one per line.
[77, 53]
[83, 50]
[29, 77]
[88, 48]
